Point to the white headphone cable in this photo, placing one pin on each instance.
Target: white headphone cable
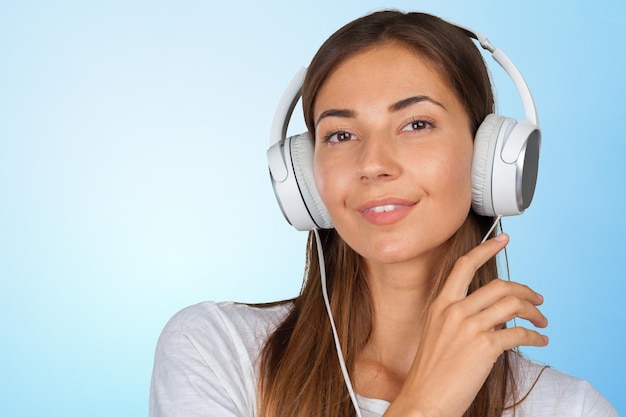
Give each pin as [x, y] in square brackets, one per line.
[342, 363]
[493, 226]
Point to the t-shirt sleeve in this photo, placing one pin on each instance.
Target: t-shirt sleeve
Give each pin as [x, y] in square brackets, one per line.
[200, 368]
[553, 393]
[595, 404]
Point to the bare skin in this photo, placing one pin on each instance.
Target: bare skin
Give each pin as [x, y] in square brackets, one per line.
[392, 164]
[461, 338]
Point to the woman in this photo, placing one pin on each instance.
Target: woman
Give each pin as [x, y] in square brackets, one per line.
[392, 102]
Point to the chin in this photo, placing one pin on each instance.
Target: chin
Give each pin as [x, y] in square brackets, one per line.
[393, 253]
[403, 251]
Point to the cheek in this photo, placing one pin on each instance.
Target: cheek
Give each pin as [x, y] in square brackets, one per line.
[334, 179]
[454, 174]
[463, 172]
[323, 181]
[464, 175]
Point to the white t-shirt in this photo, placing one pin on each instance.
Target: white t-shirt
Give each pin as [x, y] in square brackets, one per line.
[206, 365]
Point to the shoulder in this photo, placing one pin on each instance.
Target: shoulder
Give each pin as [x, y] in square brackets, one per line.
[206, 359]
[227, 319]
[547, 391]
[217, 331]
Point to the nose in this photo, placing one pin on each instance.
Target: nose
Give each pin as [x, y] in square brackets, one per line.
[378, 159]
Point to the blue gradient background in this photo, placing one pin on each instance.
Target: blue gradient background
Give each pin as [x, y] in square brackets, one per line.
[133, 179]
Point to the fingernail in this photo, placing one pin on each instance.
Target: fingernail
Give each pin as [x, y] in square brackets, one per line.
[501, 237]
[545, 338]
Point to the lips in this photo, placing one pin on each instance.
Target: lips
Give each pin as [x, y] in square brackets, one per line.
[385, 212]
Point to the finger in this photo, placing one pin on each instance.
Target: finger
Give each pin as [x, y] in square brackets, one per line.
[466, 266]
[506, 309]
[489, 294]
[507, 339]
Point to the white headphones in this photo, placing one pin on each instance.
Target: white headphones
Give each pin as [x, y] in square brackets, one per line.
[504, 165]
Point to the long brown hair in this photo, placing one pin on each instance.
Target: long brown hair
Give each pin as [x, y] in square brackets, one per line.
[299, 370]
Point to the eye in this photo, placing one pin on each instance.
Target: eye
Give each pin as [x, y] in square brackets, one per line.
[337, 136]
[418, 124]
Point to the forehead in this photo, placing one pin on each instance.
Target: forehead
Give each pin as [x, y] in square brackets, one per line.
[388, 70]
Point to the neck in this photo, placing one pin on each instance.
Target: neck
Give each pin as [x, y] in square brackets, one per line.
[399, 291]
[399, 295]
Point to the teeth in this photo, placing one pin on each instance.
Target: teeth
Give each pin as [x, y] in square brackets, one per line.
[383, 209]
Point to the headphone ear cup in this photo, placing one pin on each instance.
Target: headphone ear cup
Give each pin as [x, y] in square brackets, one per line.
[485, 144]
[504, 166]
[301, 149]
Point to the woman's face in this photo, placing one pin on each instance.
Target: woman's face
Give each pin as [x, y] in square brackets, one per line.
[393, 152]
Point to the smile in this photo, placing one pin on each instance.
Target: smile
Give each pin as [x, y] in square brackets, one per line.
[384, 213]
[383, 209]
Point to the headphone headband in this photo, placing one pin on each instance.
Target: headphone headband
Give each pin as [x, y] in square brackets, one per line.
[278, 133]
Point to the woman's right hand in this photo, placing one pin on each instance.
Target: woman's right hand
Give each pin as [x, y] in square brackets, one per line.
[464, 336]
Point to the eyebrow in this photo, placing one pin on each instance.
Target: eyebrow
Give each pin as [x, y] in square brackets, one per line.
[413, 100]
[397, 106]
[335, 113]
